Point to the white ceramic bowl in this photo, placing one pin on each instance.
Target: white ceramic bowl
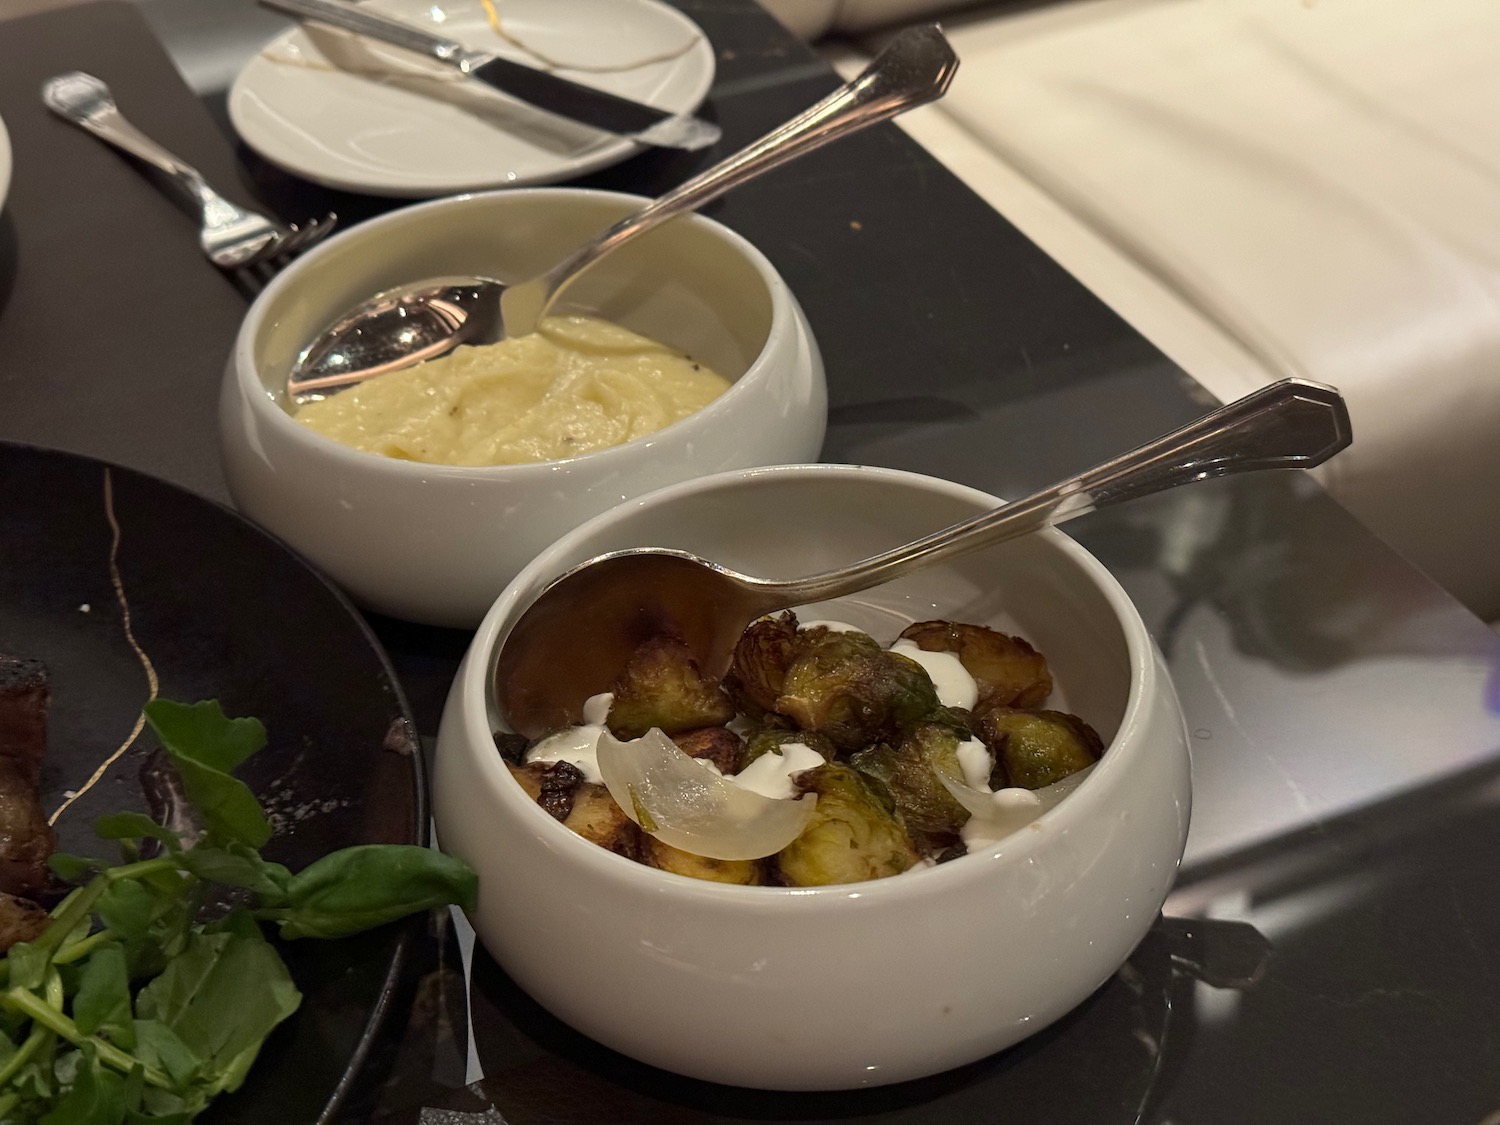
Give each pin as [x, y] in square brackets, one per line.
[435, 543]
[842, 986]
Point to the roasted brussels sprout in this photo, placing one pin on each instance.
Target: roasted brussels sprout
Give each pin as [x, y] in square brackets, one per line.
[718, 745]
[873, 716]
[1036, 748]
[774, 738]
[744, 872]
[761, 657]
[550, 784]
[1008, 671]
[512, 747]
[848, 688]
[662, 686]
[909, 771]
[584, 806]
[596, 817]
[854, 834]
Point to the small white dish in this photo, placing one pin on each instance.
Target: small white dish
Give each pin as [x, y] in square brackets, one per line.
[437, 543]
[5, 162]
[353, 114]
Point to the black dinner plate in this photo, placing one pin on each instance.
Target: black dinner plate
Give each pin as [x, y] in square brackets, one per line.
[102, 569]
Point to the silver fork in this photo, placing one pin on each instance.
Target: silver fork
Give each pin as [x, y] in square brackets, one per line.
[233, 239]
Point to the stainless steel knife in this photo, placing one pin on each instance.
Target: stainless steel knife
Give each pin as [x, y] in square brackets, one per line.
[539, 88]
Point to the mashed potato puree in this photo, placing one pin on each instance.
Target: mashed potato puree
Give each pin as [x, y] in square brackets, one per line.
[575, 385]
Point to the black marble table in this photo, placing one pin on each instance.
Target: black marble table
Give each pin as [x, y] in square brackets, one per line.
[1345, 711]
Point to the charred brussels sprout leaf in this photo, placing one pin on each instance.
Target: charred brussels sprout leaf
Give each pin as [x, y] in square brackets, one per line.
[512, 747]
[774, 738]
[854, 834]
[909, 771]
[765, 651]
[1036, 748]
[849, 689]
[718, 745]
[662, 686]
[743, 872]
[1008, 671]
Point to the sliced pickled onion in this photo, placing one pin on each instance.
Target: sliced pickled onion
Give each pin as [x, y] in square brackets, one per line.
[688, 804]
[1000, 812]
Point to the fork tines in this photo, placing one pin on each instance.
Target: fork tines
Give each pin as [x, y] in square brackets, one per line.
[254, 272]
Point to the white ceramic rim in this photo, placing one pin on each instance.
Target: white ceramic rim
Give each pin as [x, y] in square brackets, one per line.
[5, 162]
[783, 319]
[570, 847]
[270, 146]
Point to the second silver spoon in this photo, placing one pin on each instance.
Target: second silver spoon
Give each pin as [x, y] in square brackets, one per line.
[426, 319]
[574, 639]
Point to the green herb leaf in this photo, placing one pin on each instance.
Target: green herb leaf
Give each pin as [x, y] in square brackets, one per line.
[362, 887]
[126, 907]
[228, 808]
[97, 1096]
[204, 745]
[236, 865]
[202, 733]
[28, 965]
[103, 1000]
[72, 868]
[223, 994]
[158, 1045]
[134, 825]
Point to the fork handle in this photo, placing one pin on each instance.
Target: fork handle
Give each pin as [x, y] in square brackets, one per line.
[85, 101]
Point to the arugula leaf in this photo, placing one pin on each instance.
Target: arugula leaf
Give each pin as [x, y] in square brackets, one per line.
[96, 1097]
[72, 1050]
[204, 745]
[158, 1045]
[103, 1000]
[126, 908]
[236, 865]
[223, 995]
[28, 964]
[228, 808]
[202, 732]
[368, 885]
[134, 825]
[72, 868]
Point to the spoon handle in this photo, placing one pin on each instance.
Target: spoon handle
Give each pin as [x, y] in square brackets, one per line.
[1291, 424]
[915, 68]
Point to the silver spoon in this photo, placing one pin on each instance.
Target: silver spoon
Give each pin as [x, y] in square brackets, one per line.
[574, 639]
[426, 319]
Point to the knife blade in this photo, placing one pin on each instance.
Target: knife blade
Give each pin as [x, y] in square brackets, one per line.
[539, 88]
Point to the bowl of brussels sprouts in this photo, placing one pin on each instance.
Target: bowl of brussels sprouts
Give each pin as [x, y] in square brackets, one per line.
[901, 832]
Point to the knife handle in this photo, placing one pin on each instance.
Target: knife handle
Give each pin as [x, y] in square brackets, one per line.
[347, 17]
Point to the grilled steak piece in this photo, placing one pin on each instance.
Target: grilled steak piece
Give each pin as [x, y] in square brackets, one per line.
[26, 840]
[23, 709]
[20, 920]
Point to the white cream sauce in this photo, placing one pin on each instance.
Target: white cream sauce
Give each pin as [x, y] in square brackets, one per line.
[578, 745]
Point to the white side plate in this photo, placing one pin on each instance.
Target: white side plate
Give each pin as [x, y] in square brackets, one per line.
[357, 115]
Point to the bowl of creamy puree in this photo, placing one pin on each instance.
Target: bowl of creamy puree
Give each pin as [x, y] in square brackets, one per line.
[423, 492]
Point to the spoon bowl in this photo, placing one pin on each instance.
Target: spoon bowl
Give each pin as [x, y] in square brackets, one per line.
[413, 323]
[542, 673]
